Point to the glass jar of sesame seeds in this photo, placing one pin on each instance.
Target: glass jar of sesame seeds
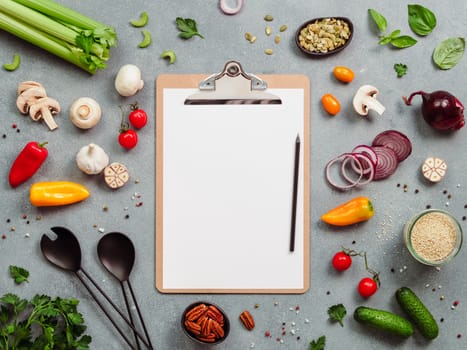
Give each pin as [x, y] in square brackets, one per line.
[433, 237]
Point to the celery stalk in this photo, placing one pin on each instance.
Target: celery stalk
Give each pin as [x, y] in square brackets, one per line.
[38, 20]
[59, 30]
[105, 33]
[44, 41]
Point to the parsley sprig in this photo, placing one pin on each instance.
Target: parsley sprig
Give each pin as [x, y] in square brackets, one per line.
[41, 323]
[187, 28]
[19, 274]
[337, 313]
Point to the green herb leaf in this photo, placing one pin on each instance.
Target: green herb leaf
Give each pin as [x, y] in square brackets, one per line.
[384, 40]
[401, 69]
[19, 274]
[337, 313]
[42, 323]
[403, 41]
[187, 27]
[421, 20]
[449, 52]
[318, 344]
[379, 20]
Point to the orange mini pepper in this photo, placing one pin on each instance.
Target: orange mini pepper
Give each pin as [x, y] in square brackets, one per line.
[355, 210]
[55, 193]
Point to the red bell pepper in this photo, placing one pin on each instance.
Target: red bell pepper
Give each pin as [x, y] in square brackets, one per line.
[28, 161]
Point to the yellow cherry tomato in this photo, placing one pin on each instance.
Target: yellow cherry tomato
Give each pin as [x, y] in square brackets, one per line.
[331, 104]
[344, 74]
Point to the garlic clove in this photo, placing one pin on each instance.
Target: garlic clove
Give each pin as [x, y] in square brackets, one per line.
[92, 159]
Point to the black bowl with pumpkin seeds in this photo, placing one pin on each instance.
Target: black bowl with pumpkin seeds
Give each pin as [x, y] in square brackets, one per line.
[324, 36]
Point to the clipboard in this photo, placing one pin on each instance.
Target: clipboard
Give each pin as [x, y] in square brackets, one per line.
[225, 146]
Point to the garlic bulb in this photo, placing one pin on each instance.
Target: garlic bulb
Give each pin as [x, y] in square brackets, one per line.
[85, 113]
[92, 159]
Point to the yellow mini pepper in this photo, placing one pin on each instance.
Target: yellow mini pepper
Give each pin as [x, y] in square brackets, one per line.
[356, 210]
[55, 193]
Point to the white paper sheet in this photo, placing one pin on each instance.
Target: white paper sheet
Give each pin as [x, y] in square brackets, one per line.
[227, 194]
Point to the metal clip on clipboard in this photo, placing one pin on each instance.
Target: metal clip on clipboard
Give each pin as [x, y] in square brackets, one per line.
[232, 86]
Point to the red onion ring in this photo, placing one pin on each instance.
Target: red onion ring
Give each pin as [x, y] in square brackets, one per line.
[387, 162]
[367, 150]
[342, 158]
[367, 169]
[396, 141]
[230, 10]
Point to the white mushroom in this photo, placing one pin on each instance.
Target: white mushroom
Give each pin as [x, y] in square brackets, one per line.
[85, 113]
[45, 108]
[92, 159]
[28, 97]
[128, 80]
[365, 100]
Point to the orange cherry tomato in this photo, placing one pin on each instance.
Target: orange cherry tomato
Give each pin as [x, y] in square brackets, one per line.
[331, 104]
[344, 74]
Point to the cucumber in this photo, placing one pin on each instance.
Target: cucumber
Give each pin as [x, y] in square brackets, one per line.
[417, 312]
[384, 320]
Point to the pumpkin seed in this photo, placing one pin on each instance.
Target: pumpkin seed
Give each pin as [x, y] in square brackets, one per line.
[248, 36]
[253, 39]
[324, 35]
[268, 30]
[277, 39]
[268, 18]
[283, 28]
[268, 51]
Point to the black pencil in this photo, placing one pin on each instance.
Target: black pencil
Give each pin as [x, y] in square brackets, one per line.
[294, 193]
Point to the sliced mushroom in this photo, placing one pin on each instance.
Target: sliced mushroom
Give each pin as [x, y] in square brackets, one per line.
[85, 113]
[45, 108]
[28, 97]
[27, 85]
[365, 100]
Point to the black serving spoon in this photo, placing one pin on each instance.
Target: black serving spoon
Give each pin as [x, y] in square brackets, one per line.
[65, 252]
[117, 253]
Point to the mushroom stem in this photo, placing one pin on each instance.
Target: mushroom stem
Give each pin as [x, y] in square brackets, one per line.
[49, 119]
[374, 104]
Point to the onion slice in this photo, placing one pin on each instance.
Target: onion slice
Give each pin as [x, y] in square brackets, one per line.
[366, 165]
[230, 10]
[387, 162]
[350, 183]
[396, 141]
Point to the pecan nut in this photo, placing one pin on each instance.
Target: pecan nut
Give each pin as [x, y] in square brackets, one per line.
[247, 320]
[196, 312]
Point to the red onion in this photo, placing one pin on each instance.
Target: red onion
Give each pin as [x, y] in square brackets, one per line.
[351, 183]
[387, 162]
[440, 109]
[396, 141]
[230, 10]
[366, 165]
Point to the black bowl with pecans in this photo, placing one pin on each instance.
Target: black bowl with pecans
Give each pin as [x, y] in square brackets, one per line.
[324, 36]
[205, 323]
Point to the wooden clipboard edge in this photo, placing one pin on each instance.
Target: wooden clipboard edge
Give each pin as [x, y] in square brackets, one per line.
[191, 81]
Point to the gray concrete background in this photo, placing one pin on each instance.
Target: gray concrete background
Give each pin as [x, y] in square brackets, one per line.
[22, 225]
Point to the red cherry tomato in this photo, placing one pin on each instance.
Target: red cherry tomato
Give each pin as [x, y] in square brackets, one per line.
[341, 261]
[128, 139]
[367, 287]
[138, 118]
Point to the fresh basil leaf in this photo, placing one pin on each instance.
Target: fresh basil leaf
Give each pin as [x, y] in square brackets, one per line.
[379, 20]
[403, 41]
[384, 40]
[449, 52]
[395, 34]
[421, 20]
